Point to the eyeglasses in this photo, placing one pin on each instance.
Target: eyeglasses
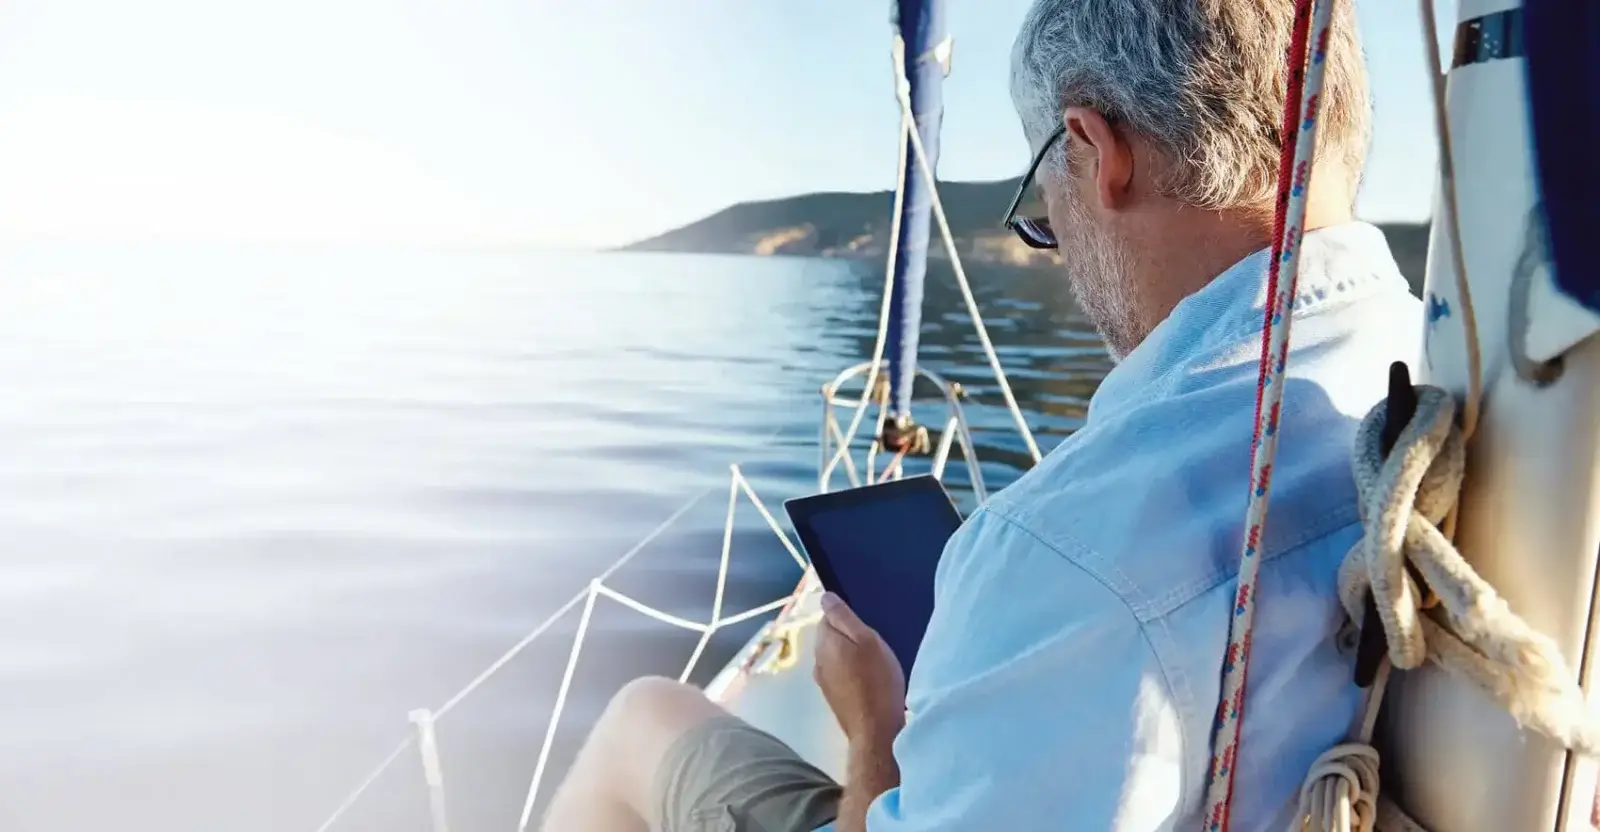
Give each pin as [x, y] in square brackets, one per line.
[1034, 231]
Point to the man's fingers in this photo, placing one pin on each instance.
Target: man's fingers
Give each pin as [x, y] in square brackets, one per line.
[826, 655]
[833, 628]
[837, 614]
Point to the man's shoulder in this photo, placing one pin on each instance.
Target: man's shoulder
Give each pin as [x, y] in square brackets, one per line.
[1150, 499]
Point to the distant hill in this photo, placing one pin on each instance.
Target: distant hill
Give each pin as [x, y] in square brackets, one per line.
[856, 225]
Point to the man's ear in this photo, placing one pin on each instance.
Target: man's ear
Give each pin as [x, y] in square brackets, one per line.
[1105, 156]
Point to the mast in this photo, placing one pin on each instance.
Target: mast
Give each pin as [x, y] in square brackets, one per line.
[1455, 760]
[924, 57]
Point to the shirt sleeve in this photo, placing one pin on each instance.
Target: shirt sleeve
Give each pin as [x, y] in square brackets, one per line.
[1036, 701]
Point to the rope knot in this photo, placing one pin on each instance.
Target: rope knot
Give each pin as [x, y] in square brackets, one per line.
[1473, 634]
[1342, 789]
[1403, 496]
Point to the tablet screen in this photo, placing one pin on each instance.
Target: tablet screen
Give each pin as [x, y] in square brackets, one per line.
[878, 547]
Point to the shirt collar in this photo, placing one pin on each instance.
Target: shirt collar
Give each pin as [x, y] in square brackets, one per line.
[1338, 264]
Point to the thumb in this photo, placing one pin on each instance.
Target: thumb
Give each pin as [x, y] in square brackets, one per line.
[844, 619]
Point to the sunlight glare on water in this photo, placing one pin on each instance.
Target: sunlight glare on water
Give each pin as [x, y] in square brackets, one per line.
[259, 503]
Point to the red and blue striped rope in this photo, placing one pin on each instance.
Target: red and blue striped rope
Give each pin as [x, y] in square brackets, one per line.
[1311, 25]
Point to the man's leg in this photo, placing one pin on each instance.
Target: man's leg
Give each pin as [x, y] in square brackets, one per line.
[611, 787]
[663, 756]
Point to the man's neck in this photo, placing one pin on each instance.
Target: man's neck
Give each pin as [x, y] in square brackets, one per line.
[1197, 246]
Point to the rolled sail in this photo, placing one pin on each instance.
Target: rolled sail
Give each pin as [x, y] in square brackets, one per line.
[1563, 55]
[921, 26]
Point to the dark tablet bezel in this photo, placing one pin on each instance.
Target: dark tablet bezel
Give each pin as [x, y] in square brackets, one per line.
[802, 509]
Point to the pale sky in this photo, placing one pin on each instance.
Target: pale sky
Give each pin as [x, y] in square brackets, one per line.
[539, 122]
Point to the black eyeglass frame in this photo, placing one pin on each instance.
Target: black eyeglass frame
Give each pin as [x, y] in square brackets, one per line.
[1035, 232]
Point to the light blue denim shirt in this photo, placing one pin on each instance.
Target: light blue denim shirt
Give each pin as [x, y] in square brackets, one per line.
[1072, 667]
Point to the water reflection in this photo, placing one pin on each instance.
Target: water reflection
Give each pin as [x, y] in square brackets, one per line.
[1052, 357]
[258, 503]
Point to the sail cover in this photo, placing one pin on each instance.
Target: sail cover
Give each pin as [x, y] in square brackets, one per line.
[1562, 39]
[920, 24]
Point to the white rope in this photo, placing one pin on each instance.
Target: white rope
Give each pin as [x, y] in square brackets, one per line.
[587, 594]
[770, 606]
[961, 278]
[684, 623]
[1452, 218]
[911, 145]
[649, 611]
[825, 475]
[772, 523]
[941, 455]
[969, 453]
[1472, 634]
[432, 768]
[877, 431]
[371, 778]
[506, 657]
[843, 453]
[1340, 794]
[722, 580]
[561, 704]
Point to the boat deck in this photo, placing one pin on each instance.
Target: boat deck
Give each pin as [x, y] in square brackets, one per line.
[769, 685]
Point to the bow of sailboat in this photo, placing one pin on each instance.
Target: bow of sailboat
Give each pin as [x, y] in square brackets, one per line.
[1509, 332]
[868, 428]
[769, 683]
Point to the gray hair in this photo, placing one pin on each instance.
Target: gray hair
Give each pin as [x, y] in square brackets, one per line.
[1203, 80]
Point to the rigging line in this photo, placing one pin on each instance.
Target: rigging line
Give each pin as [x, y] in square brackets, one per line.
[893, 465]
[360, 790]
[538, 631]
[574, 600]
[1312, 22]
[873, 370]
[826, 474]
[1447, 187]
[647, 610]
[722, 578]
[966, 288]
[772, 523]
[1372, 703]
[544, 626]
[561, 704]
[877, 433]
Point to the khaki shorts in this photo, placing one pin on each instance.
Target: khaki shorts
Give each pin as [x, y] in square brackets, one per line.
[726, 776]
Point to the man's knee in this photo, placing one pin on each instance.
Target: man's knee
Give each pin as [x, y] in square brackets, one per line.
[648, 693]
[653, 706]
[639, 725]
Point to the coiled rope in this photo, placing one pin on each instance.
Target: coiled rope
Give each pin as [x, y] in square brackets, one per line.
[1472, 633]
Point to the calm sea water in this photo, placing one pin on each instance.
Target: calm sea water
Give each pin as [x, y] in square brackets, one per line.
[257, 504]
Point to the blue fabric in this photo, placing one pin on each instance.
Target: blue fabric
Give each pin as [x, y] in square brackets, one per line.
[921, 25]
[1563, 43]
[1072, 667]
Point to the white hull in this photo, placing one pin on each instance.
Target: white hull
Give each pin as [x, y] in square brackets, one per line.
[780, 697]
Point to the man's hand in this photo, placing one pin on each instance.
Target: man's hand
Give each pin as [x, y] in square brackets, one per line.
[865, 687]
[859, 676]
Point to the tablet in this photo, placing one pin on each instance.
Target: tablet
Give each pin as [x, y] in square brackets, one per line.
[877, 548]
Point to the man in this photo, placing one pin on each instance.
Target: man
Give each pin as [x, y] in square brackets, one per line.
[1071, 671]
